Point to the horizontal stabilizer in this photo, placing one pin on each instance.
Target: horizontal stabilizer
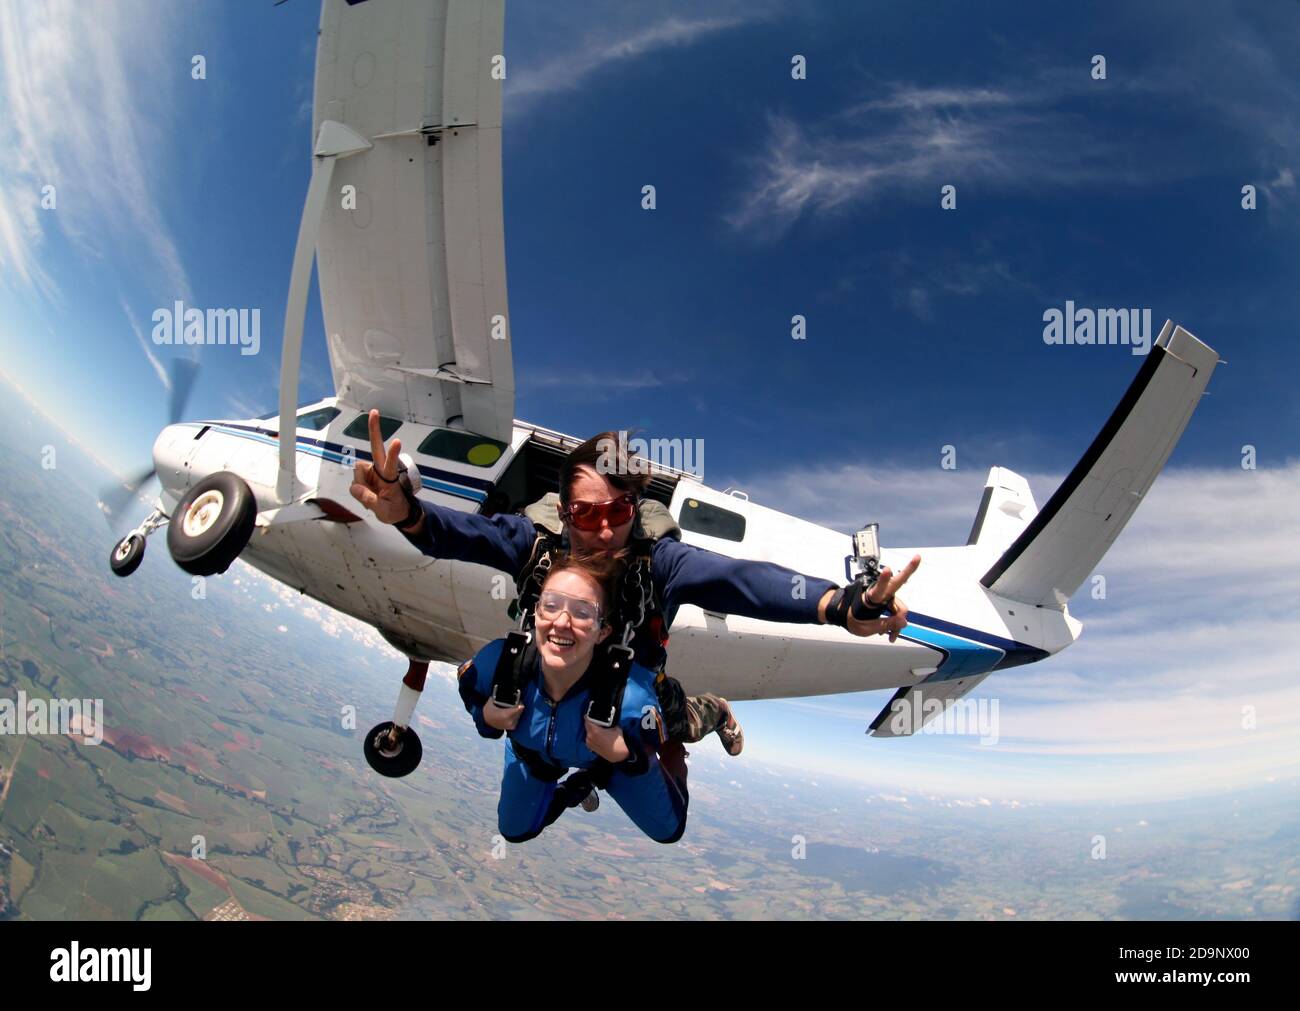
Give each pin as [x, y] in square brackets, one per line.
[1055, 553]
[913, 707]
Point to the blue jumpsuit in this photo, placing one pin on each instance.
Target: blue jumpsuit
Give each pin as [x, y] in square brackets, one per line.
[554, 735]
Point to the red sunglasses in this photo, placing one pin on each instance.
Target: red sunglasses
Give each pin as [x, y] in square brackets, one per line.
[589, 515]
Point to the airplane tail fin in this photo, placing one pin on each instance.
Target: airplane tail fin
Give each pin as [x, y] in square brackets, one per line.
[1054, 553]
[1005, 510]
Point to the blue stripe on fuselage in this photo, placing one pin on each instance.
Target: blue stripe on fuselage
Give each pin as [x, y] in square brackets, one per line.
[1014, 653]
[962, 657]
[332, 452]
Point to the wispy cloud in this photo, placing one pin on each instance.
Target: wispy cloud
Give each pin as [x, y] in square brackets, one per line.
[243, 408]
[144, 345]
[82, 117]
[918, 140]
[605, 386]
[918, 281]
[569, 69]
[1034, 132]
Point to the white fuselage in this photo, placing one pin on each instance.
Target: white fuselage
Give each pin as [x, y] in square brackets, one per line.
[446, 610]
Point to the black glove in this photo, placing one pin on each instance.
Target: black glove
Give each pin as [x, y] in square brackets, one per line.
[852, 599]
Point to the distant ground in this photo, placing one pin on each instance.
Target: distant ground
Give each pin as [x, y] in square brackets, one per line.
[225, 728]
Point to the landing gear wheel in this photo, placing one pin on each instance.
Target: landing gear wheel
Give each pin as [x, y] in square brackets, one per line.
[127, 555]
[212, 524]
[387, 759]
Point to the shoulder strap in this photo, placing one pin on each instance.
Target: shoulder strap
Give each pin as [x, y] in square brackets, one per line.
[545, 514]
[610, 666]
[508, 678]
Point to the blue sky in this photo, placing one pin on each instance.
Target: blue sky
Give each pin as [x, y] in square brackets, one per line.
[775, 197]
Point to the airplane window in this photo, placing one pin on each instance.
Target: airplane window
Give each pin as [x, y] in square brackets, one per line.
[463, 447]
[702, 518]
[360, 427]
[318, 419]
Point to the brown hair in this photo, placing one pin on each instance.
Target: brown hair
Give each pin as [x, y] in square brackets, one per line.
[625, 471]
[603, 570]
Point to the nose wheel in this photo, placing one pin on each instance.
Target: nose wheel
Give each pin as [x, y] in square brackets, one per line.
[393, 749]
[128, 553]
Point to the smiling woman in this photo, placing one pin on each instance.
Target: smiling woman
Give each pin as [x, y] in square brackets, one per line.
[578, 706]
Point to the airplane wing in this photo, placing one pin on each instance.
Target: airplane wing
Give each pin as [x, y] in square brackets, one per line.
[1063, 543]
[411, 248]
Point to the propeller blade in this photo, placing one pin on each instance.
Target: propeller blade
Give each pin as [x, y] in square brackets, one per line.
[183, 373]
[116, 498]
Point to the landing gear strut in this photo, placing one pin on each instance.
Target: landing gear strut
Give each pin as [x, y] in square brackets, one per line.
[128, 553]
[393, 749]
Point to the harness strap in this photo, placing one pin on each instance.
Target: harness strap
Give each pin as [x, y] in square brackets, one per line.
[610, 666]
[507, 679]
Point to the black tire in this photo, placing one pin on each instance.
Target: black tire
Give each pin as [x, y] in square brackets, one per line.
[214, 539]
[400, 763]
[127, 555]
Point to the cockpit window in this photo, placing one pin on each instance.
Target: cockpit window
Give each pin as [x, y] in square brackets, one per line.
[703, 518]
[360, 427]
[317, 419]
[462, 447]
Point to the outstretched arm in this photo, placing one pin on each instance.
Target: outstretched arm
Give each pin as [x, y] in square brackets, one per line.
[502, 542]
[687, 574]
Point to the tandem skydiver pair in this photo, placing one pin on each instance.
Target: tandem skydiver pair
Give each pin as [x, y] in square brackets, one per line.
[576, 703]
[600, 509]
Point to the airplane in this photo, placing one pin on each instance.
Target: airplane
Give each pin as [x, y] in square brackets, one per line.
[407, 119]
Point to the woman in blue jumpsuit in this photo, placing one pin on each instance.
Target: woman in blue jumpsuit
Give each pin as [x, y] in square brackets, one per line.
[549, 731]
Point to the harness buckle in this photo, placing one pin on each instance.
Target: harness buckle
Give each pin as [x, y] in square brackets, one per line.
[499, 703]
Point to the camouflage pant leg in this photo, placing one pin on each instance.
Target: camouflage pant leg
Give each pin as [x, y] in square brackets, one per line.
[704, 714]
[687, 719]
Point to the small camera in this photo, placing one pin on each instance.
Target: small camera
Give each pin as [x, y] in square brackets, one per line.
[866, 552]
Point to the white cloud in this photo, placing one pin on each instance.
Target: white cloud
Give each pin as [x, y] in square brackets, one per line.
[605, 385]
[570, 68]
[916, 138]
[154, 363]
[81, 115]
[1183, 683]
[1037, 134]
